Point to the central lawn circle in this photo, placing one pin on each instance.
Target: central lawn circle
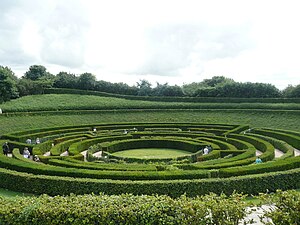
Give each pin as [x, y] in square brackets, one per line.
[151, 153]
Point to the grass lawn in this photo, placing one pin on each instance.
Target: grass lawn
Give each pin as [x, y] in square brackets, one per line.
[150, 153]
[53, 102]
[8, 193]
[288, 120]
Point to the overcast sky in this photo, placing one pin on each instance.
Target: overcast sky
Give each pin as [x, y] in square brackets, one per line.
[174, 41]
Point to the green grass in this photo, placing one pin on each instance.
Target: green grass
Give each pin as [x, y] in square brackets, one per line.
[150, 153]
[289, 120]
[8, 193]
[53, 102]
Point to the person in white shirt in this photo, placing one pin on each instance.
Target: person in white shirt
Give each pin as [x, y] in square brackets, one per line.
[205, 151]
[26, 153]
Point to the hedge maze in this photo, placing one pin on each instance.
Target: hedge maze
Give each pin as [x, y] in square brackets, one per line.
[81, 159]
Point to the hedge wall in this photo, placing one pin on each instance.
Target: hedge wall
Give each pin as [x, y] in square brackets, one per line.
[289, 138]
[53, 185]
[172, 99]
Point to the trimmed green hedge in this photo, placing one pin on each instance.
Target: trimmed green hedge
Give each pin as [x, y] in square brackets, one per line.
[279, 165]
[53, 185]
[72, 163]
[40, 168]
[187, 145]
[291, 139]
[63, 146]
[172, 99]
[278, 144]
[261, 145]
[84, 145]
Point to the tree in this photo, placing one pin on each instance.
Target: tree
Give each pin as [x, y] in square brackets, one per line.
[33, 87]
[207, 87]
[292, 91]
[8, 88]
[35, 72]
[216, 80]
[167, 90]
[144, 88]
[87, 81]
[248, 90]
[65, 80]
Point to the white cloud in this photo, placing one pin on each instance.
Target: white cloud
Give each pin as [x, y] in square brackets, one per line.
[177, 41]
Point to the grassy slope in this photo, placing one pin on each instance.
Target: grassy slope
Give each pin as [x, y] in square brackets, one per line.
[53, 102]
[256, 118]
[280, 120]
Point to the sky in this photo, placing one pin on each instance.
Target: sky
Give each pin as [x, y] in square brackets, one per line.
[166, 41]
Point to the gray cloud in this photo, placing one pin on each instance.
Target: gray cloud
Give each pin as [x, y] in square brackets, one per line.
[176, 46]
[60, 28]
[64, 35]
[10, 27]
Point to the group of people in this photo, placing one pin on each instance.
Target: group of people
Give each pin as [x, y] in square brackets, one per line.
[26, 152]
[127, 131]
[29, 141]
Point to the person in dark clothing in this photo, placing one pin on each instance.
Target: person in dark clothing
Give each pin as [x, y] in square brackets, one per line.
[5, 148]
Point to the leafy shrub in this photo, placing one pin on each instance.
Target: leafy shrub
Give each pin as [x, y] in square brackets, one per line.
[284, 207]
[123, 209]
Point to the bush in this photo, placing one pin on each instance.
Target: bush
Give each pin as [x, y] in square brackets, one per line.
[284, 207]
[123, 209]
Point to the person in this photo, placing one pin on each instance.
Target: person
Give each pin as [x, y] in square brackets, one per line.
[205, 150]
[5, 148]
[26, 153]
[36, 158]
[209, 148]
[28, 141]
[0, 111]
[37, 141]
[258, 160]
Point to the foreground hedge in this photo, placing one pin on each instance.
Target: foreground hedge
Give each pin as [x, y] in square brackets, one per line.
[123, 209]
[284, 207]
[53, 185]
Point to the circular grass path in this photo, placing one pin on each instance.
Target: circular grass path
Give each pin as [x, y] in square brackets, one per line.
[150, 153]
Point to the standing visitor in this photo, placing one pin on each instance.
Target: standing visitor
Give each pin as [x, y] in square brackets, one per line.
[205, 151]
[258, 160]
[5, 148]
[26, 153]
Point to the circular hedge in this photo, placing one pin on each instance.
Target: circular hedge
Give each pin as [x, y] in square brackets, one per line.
[79, 159]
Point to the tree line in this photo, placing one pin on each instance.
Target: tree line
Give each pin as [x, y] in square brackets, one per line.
[37, 78]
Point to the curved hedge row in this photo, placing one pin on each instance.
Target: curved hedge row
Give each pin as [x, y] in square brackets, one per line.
[231, 159]
[171, 99]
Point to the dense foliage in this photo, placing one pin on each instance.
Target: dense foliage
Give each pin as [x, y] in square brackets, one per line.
[36, 79]
[123, 209]
[8, 89]
[283, 208]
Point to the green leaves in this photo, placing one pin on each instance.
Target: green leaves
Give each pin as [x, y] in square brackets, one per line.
[284, 207]
[123, 209]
